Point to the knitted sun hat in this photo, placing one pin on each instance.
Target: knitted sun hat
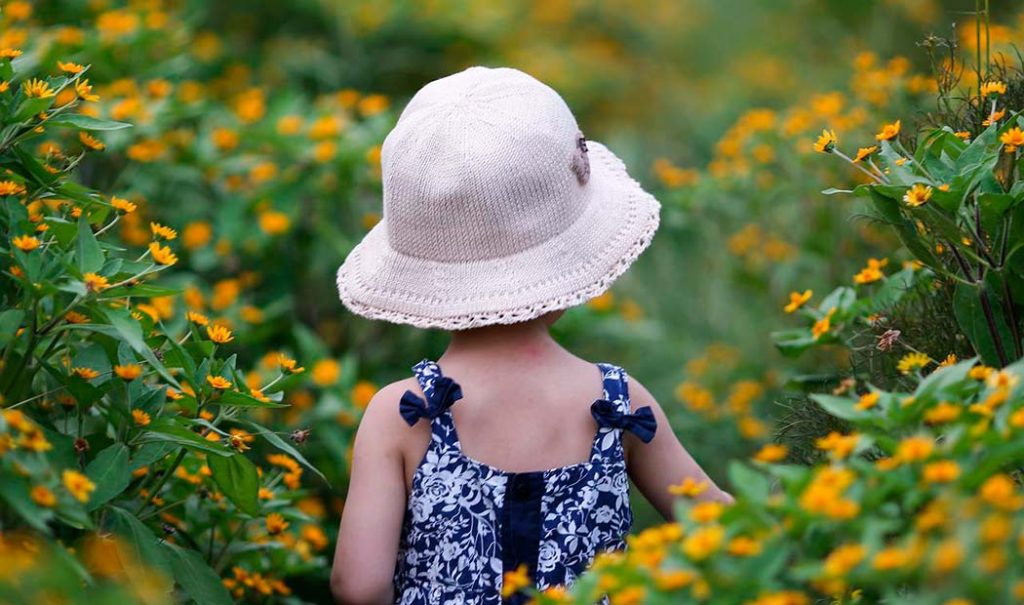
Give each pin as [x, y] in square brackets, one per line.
[496, 209]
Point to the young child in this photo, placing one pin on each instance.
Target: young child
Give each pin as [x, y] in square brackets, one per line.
[507, 454]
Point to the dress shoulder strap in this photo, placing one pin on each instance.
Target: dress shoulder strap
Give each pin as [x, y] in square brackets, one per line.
[613, 410]
[439, 391]
[616, 386]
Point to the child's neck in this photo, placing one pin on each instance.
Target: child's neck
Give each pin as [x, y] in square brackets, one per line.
[506, 343]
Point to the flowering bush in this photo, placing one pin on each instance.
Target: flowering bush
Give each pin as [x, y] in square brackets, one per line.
[122, 437]
[916, 504]
[915, 498]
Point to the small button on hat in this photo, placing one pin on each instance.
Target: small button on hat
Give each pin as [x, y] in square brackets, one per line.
[497, 209]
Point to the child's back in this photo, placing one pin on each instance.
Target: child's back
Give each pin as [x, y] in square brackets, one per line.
[508, 455]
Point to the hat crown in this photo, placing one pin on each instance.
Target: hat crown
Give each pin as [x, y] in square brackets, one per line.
[481, 165]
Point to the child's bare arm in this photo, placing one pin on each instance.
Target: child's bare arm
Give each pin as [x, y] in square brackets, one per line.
[664, 461]
[371, 522]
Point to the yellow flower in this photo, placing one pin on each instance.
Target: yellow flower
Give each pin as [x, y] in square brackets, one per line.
[913, 361]
[90, 141]
[173, 395]
[915, 448]
[84, 91]
[42, 496]
[129, 371]
[36, 88]
[917, 195]
[219, 382]
[162, 231]
[74, 317]
[95, 283]
[275, 524]
[197, 318]
[948, 556]
[889, 131]
[122, 205]
[219, 334]
[140, 418]
[1001, 379]
[890, 558]
[942, 412]
[941, 471]
[1000, 491]
[703, 542]
[288, 365]
[78, 484]
[162, 254]
[826, 141]
[994, 117]
[11, 188]
[85, 373]
[867, 401]
[837, 443]
[362, 393]
[274, 223]
[980, 372]
[871, 273]
[515, 580]
[688, 487]
[864, 152]
[823, 325]
[239, 439]
[1012, 138]
[993, 87]
[26, 243]
[69, 67]
[326, 372]
[771, 452]
[743, 546]
[706, 512]
[843, 559]
[9, 53]
[797, 300]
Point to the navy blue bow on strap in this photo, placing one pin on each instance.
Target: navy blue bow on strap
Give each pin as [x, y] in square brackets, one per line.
[444, 393]
[641, 422]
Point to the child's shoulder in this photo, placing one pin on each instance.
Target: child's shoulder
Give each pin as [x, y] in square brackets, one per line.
[382, 417]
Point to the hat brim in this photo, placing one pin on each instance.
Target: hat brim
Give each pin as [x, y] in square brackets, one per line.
[377, 282]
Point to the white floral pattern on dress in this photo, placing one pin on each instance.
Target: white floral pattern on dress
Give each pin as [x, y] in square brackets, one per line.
[450, 550]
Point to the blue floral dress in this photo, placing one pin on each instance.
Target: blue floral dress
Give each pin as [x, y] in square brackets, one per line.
[468, 523]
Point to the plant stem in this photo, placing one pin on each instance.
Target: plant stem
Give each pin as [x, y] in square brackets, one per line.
[986, 306]
[167, 474]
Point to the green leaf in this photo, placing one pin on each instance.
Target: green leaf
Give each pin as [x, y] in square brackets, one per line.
[142, 540]
[171, 429]
[130, 330]
[983, 328]
[87, 249]
[84, 122]
[792, 343]
[236, 475]
[241, 399]
[195, 577]
[31, 106]
[111, 474]
[841, 407]
[14, 491]
[10, 321]
[943, 378]
[748, 482]
[282, 445]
